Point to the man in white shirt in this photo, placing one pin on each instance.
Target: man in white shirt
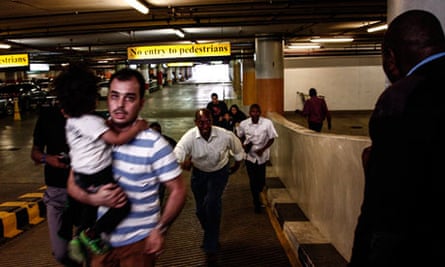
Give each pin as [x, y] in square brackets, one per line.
[206, 149]
[257, 134]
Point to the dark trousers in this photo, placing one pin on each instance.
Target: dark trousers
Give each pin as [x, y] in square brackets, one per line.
[108, 222]
[207, 188]
[257, 180]
[316, 126]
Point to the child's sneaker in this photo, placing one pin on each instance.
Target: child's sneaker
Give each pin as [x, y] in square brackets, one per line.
[76, 251]
[96, 246]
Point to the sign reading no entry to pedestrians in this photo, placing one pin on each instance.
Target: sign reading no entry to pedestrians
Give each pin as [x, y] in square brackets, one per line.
[178, 51]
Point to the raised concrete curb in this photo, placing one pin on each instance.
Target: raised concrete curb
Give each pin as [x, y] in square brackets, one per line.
[306, 241]
[27, 210]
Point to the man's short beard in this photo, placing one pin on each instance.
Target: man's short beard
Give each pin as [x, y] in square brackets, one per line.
[122, 125]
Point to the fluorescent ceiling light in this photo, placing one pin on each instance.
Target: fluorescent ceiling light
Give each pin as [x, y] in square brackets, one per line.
[378, 28]
[332, 40]
[179, 33]
[72, 48]
[138, 6]
[303, 46]
[4, 46]
[38, 67]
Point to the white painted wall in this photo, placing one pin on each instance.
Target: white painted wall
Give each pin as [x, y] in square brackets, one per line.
[347, 83]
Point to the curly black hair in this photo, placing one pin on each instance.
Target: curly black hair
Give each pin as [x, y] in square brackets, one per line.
[76, 89]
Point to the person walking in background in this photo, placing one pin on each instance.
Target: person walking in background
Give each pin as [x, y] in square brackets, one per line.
[257, 134]
[217, 108]
[209, 148]
[316, 111]
[140, 165]
[50, 148]
[157, 127]
[236, 116]
[401, 223]
[219, 118]
[90, 141]
[216, 102]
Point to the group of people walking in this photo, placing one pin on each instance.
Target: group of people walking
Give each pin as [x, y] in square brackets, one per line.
[111, 190]
[224, 117]
[402, 167]
[207, 150]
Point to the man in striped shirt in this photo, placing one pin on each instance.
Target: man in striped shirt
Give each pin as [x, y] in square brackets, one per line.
[138, 167]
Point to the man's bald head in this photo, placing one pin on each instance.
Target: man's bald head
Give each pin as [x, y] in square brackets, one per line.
[410, 38]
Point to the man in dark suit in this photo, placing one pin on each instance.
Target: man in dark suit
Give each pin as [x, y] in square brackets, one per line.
[401, 221]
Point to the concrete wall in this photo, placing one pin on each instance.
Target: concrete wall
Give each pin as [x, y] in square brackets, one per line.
[348, 83]
[323, 173]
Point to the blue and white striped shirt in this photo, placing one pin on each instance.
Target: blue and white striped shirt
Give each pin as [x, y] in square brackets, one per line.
[139, 167]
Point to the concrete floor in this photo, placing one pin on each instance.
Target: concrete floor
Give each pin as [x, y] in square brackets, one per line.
[247, 239]
[343, 122]
[173, 107]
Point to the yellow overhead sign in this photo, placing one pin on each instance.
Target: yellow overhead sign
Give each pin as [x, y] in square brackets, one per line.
[16, 60]
[180, 64]
[178, 51]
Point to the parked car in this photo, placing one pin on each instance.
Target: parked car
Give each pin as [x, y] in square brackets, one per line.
[29, 95]
[103, 89]
[6, 106]
[46, 86]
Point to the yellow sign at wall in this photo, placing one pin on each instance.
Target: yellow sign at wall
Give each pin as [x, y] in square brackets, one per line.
[178, 51]
[16, 60]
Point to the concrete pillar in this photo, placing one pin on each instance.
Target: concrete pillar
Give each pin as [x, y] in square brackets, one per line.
[396, 7]
[10, 77]
[152, 71]
[160, 76]
[144, 71]
[14, 76]
[269, 72]
[230, 70]
[188, 72]
[237, 76]
[169, 76]
[249, 92]
[176, 78]
[180, 74]
[20, 76]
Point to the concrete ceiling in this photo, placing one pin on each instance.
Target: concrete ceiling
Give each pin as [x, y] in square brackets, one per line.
[92, 30]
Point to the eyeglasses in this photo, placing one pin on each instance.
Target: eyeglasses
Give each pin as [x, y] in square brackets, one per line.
[204, 122]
